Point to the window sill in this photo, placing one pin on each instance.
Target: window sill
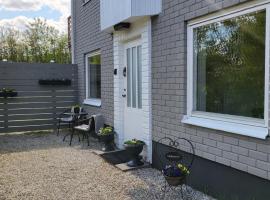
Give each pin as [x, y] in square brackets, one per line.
[92, 102]
[231, 127]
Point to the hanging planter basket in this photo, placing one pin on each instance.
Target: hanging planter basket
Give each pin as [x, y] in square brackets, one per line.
[176, 166]
[175, 181]
[174, 175]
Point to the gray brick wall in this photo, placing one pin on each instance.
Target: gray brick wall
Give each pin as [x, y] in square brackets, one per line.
[169, 92]
[89, 38]
[168, 82]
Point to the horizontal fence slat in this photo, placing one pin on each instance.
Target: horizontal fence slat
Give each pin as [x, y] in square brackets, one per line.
[29, 128]
[12, 123]
[35, 111]
[31, 116]
[36, 99]
[37, 87]
[48, 105]
[46, 93]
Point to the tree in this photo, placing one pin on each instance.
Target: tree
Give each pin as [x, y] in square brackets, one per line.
[39, 43]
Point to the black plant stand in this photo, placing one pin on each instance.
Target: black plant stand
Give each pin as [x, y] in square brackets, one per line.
[173, 157]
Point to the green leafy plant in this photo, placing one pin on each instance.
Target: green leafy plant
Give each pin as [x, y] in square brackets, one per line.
[7, 90]
[134, 142]
[183, 169]
[76, 106]
[106, 131]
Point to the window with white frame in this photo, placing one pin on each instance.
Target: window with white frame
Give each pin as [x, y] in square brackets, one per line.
[228, 60]
[93, 79]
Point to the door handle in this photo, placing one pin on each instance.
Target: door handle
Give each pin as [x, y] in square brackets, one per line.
[124, 95]
[125, 72]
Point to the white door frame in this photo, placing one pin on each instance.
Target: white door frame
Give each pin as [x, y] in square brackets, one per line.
[139, 30]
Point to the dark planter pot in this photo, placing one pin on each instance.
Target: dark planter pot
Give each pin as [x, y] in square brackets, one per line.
[8, 94]
[108, 142]
[133, 152]
[76, 110]
[55, 82]
[175, 181]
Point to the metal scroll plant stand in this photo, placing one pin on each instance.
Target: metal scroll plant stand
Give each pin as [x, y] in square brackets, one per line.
[174, 158]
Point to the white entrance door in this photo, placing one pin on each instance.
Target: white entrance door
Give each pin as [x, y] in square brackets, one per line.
[132, 92]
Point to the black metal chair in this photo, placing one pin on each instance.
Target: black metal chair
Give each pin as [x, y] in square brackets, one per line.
[69, 118]
[87, 128]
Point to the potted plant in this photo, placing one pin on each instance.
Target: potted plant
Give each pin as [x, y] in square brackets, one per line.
[134, 147]
[8, 92]
[175, 174]
[76, 109]
[106, 136]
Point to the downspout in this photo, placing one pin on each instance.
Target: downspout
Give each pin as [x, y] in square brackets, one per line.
[73, 32]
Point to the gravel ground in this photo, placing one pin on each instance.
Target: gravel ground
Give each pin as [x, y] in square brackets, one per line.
[41, 166]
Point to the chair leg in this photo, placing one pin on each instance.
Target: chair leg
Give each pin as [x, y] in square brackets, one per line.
[65, 137]
[58, 127]
[87, 139]
[71, 137]
[83, 136]
[79, 137]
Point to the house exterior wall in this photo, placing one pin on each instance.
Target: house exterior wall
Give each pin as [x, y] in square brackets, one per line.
[88, 38]
[169, 82]
[169, 89]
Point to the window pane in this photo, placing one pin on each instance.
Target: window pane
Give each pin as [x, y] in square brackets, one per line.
[139, 75]
[229, 60]
[134, 68]
[128, 78]
[94, 77]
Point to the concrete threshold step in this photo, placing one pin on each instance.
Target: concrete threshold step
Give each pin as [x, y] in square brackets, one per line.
[124, 167]
[119, 159]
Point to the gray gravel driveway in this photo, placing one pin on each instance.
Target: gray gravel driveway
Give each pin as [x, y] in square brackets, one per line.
[40, 166]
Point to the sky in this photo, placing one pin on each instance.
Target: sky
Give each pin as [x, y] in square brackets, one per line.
[17, 13]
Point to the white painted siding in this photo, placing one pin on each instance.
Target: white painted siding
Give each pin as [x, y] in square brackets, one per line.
[115, 11]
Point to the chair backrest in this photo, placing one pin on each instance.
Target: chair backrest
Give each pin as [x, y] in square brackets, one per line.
[98, 122]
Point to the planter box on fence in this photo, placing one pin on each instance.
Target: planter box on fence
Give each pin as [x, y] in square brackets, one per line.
[55, 82]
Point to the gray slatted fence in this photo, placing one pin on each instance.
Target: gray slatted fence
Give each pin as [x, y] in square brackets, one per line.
[37, 106]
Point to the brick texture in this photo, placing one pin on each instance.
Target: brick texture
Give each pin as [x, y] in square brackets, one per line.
[169, 49]
[169, 78]
[89, 38]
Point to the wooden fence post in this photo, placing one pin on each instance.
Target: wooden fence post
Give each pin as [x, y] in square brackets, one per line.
[5, 114]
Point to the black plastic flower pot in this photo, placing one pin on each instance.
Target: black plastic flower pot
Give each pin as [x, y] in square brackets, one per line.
[133, 151]
[8, 94]
[175, 181]
[76, 110]
[108, 142]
